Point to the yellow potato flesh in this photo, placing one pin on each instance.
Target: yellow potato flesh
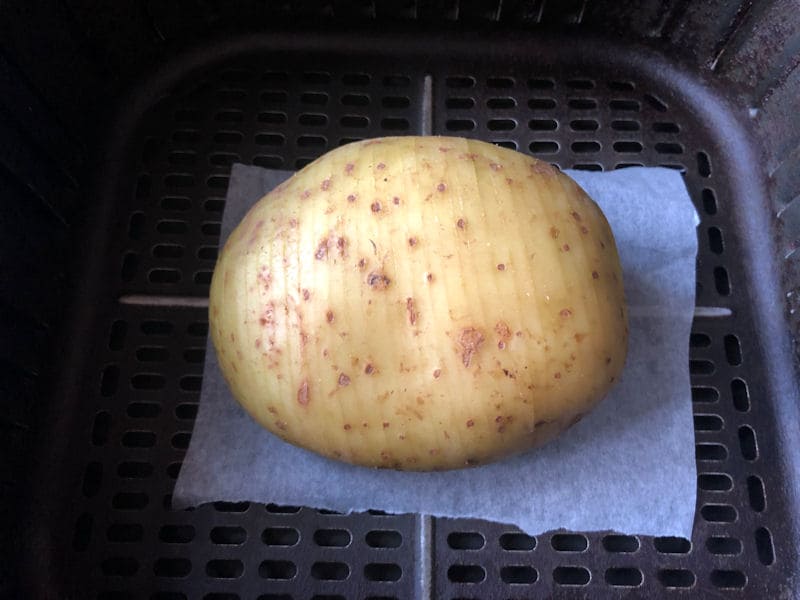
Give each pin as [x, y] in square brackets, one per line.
[420, 303]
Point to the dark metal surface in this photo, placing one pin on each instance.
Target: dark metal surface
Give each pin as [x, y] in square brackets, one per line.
[280, 102]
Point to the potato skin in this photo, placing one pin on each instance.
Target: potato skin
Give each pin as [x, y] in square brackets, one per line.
[420, 303]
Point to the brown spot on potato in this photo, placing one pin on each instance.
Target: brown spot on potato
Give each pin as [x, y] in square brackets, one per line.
[375, 207]
[433, 451]
[305, 194]
[502, 329]
[444, 149]
[429, 277]
[268, 317]
[575, 215]
[565, 247]
[329, 316]
[412, 241]
[412, 314]
[461, 223]
[579, 337]
[470, 340]
[325, 185]
[565, 312]
[381, 166]
[348, 168]
[344, 380]
[325, 245]
[264, 278]
[386, 425]
[369, 369]
[472, 462]
[341, 245]
[322, 250]
[554, 232]
[495, 166]
[347, 427]
[351, 197]
[272, 410]
[258, 343]
[595, 275]
[378, 281]
[557, 376]
[280, 425]
[470, 423]
[584, 229]
[501, 267]
[306, 294]
[302, 393]
[441, 187]
[501, 345]
[608, 360]
[541, 168]
[602, 245]
[540, 423]
[362, 263]
[437, 373]
[396, 200]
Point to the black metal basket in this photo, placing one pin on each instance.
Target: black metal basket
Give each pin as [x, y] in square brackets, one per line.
[120, 122]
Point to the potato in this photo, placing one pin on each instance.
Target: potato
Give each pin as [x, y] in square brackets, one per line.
[420, 303]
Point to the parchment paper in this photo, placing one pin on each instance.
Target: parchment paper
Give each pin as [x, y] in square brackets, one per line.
[628, 467]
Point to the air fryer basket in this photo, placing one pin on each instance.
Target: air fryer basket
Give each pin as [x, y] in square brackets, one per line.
[127, 175]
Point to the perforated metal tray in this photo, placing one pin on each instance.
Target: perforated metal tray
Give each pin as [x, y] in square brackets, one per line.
[280, 101]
